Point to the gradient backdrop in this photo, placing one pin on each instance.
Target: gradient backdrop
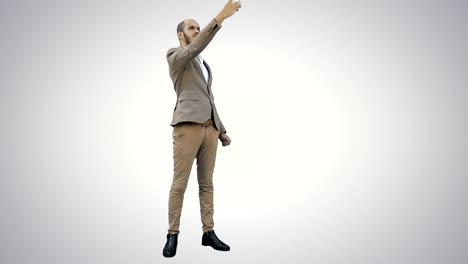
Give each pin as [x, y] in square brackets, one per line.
[348, 121]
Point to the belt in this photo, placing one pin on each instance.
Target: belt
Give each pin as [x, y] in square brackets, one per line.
[204, 124]
[207, 123]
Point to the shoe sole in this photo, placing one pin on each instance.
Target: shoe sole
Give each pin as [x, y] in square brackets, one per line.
[207, 245]
[169, 256]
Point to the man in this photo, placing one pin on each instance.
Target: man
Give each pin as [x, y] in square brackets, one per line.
[197, 126]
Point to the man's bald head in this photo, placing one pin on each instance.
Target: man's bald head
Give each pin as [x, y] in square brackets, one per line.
[181, 26]
[187, 30]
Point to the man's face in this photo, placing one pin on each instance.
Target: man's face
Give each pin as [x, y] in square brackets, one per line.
[191, 30]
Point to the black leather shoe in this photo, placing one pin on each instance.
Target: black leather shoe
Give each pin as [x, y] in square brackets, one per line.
[171, 246]
[210, 239]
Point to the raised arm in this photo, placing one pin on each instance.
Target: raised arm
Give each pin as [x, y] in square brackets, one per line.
[178, 58]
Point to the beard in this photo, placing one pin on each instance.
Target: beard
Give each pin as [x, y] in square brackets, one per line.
[186, 38]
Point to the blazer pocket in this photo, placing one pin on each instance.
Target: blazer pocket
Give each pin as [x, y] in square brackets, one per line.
[188, 97]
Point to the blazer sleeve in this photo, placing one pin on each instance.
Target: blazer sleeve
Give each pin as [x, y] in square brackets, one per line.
[222, 129]
[178, 58]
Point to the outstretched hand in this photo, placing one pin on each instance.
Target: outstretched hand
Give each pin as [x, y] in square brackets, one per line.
[229, 9]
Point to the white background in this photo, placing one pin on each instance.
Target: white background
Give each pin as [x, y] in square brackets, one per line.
[348, 122]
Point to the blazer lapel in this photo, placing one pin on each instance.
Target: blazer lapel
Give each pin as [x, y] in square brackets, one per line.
[209, 73]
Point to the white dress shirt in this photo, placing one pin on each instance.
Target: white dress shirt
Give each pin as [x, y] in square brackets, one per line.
[203, 67]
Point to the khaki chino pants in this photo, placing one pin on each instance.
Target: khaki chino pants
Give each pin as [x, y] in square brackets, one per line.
[190, 141]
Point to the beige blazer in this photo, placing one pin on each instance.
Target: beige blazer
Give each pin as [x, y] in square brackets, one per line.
[195, 101]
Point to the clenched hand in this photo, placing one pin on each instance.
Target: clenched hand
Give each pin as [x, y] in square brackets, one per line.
[225, 140]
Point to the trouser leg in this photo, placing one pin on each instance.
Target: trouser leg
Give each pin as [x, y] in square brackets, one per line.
[206, 158]
[186, 143]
